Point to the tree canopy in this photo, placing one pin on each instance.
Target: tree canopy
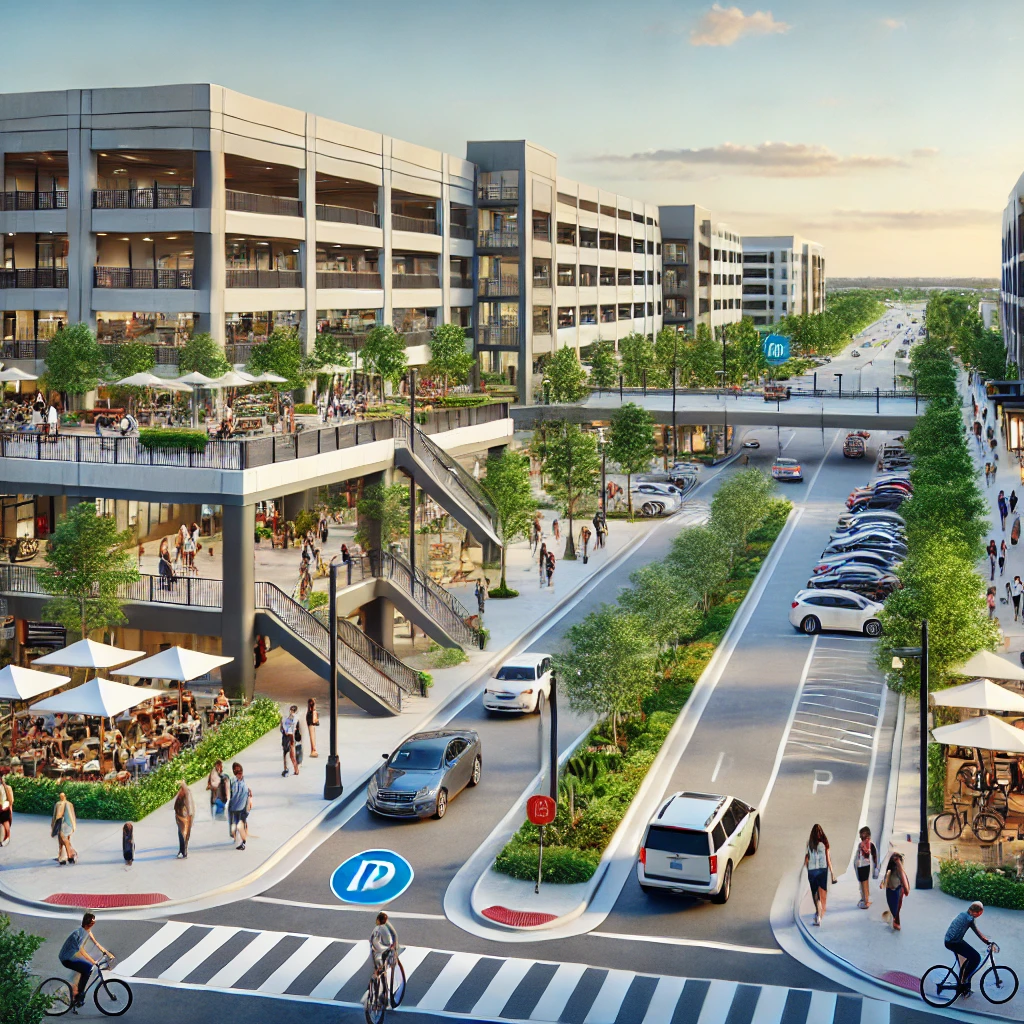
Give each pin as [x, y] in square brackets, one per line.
[508, 485]
[383, 354]
[636, 352]
[73, 360]
[663, 600]
[572, 466]
[21, 1002]
[741, 504]
[566, 375]
[383, 515]
[281, 353]
[201, 354]
[631, 443]
[604, 367]
[699, 558]
[450, 360]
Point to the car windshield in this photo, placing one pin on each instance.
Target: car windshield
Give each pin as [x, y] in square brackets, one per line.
[516, 673]
[677, 840]
[785, 462]
[417, 757]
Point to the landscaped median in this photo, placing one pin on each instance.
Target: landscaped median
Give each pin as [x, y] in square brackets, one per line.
[636, 664]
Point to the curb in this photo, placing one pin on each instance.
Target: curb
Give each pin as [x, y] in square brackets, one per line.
[701, 693]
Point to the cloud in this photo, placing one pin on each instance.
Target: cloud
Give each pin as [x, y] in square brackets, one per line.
[766, 160]
[925, 152]
[893, 23]
[910, 220]
[723, 26]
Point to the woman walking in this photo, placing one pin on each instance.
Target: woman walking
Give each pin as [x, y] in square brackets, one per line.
[62, 828]
[1013, 502]
[993, 553]
[184, 814]
[549, 569]
[543, 561]
[1016, 589]
[865, 860]
[818, 861]
[896, 886]
[6, 811]
[1002, 556]
[312, 721]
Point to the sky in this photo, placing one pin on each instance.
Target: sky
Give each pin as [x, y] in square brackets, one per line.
[889, 130]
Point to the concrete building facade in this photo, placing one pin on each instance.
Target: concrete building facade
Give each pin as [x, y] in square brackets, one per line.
[783, 275]
[1012, 277]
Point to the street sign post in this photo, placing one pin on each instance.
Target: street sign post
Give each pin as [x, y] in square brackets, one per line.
[540, 810]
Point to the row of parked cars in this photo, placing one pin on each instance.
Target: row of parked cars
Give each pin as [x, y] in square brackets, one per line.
[857, 569]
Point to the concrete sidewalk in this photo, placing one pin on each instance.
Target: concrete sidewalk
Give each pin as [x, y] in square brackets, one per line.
[285, 810]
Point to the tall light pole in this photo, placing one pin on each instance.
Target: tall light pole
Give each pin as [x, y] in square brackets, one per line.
[332, 770]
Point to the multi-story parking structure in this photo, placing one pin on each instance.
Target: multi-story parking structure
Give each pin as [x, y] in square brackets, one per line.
[783, 275]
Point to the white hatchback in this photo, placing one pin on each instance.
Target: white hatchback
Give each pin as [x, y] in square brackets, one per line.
[815, 610]
[522, 684]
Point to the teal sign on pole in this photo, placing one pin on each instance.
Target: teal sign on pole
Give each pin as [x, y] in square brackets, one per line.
[775, 348]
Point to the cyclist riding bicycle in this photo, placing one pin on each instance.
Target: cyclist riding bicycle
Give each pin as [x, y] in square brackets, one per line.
[74, 957]
[963, 922]
[383, 938]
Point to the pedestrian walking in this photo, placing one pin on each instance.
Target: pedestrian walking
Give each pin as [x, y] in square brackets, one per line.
[1013, 502]
[896, 886]
[585, 536]
[542, 561]
[128, 844]
[288, 725]
[239, 806]
[818, 861]
[1016, 590]
[324, 529]
[537, 533]
[992, 552]
[1002, 556]
[556, 529]
[481, 596]
[6, 811]
[184, 815]
[984, 413]
[549, 568]
[994, 446]
[990, 600]
[217, 786]
[1004, 509]
[62, 828]
[865, 861]
[312, 721]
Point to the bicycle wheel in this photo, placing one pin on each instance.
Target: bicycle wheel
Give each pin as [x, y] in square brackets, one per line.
[376, 1002]
[999, 984]
[397, 983]
[58, 991]
[939, 985]
[948, 825]
[987, 827]
[112, 997]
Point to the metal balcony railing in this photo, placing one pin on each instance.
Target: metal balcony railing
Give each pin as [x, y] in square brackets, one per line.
[497, 193]
[156, 197]
[399, 222]
[127, 277]
[347, 215]
[165, 355]
[38, 277]
[499, 239]
[263, 278]
[347, 279]
[57, 199]
[460, 231]
[458, 281]
[506, 285]
[499, 337]
[24, 348]
[415, 281]
[254, 202]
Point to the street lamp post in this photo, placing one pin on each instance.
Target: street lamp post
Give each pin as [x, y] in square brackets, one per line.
[924, 850]
[675, 454]
[840, 376]
[332, 770]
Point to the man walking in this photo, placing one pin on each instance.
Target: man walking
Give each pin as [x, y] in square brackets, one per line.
[288, 740]
[481, 596]
[1004, 509]
[239, 805]
[184, 813]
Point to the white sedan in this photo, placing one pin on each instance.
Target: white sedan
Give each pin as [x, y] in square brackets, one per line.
[815, 610]
[522, 684]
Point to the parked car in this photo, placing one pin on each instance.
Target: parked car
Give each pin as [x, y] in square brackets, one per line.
[884, 560]
[853, 447]
[855, 354]
[787, 469]
[868, 541]
[427, 771]
[777, 393]
[668, 494]
[850, 521]
[752, 443]
[815, 610]
[889, 500]
[522, 684]
[865, 580]
[694, 842]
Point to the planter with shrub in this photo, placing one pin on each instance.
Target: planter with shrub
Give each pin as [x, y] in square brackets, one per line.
[173, 437]
[305, 409]
[995, 887]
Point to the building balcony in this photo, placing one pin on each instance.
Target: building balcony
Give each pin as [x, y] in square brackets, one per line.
[497, 286]
[165, 355]
[490, 336]
[246, 278]
[57, 199]
[399, 222]
[347, 215]
[347, 279]
[497, 193]
[458, 281]
[40, 277]
[675, 289]
[460, 231]
[252, 202]
[24, 349]
[159, 197]
[498, 240]
[415, 281]
[128, 277]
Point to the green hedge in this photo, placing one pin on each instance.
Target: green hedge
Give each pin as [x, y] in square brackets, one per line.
[173, 437]
[967, 881]
[305, 409]
[114, 802]
[561, 864]
[461, 401]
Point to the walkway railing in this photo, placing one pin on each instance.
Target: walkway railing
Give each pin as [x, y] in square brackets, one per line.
[797, 391]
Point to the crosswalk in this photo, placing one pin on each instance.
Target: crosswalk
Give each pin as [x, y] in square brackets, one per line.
[483, 988]
[840, 706]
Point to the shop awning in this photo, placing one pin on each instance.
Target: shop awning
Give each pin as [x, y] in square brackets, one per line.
[100, 698]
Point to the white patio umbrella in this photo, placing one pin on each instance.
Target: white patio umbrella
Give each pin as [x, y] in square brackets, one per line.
[235, 379]
[198, 381]
[145, 379]
[88, 654]
[984, 733]
[269, 378]
[18, 685]
[177, 664]
[16, 375]
[980, 694]
[989, 666]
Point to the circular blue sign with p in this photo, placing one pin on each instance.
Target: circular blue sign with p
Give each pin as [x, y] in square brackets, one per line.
[372, 878]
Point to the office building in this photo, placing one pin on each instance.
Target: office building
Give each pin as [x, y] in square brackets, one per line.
[783, 275]
[1012, 276]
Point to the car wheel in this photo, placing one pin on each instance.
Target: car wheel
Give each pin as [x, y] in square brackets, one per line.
[722, 896]
[474, 779]
[872, 628]
[538, 708]
[442, 804]
[646, 888]
[648, 509]
[755, 839]
[811, 625]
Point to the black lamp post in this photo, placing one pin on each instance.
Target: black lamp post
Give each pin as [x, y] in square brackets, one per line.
[332, 770]
[840, 377]
[924, 850]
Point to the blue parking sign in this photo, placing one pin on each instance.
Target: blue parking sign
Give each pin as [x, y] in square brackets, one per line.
[372, 878]
[775, 348]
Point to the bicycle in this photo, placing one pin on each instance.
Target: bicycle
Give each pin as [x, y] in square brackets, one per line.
[383, 991]
[112, 996]
[987, 825]
[940, 985]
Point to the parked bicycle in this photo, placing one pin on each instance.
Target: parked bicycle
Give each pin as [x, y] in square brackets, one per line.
[112, 996]
[987, 824]
[386, 988]
[940, 985]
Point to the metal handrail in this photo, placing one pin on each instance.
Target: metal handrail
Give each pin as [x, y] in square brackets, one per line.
[347, 215]
[34, 277]
[795, 392]
[257, 202]
[53, 199]
[402, 222]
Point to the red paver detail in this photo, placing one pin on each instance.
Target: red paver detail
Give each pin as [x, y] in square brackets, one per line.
[517, 918]
[104, 901]
[904, 980]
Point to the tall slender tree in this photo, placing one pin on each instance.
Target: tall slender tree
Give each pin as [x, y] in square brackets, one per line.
[631, 443]
[507, 484]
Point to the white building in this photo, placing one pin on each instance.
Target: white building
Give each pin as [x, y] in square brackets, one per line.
[783, 275]
[1012, 292]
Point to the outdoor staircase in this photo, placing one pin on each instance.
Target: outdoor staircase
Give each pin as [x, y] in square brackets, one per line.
[437, 473]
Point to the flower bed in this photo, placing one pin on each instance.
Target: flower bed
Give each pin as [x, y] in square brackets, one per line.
[114, 802]
[995, 888]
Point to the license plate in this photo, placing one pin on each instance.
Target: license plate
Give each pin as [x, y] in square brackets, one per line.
[676, 865]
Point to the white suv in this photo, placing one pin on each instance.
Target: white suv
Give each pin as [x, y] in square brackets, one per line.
[694, 842]
[522, 684]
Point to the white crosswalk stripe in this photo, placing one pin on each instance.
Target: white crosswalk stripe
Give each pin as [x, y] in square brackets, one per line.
[271, 968]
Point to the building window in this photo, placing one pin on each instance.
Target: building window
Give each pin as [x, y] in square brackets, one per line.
[588, 277]
[606, 241]
[541, 319]
[586, 204]
[717, 256]
[566, 316]
[650, 309]
[625, 243]
[625, 311]
[659, 277]
[568, 200]
[659, 307]
[566, 275]
[755, 257]
[607, 275]
[608, 211]
[718, 303]
[638, 246]
[650, 248]
[542, 273]
[782, 256]
[541, 226]
[625, 277]
[607, 314]
[588, 238]
[638, 310]
[588, 315]
[717, 278]
[638, 277]
[566, 233]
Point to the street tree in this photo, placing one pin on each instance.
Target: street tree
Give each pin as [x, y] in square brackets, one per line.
[631, 443]
[384, 356]
[89, 561]
[566, 376]
[507, 484]
[604, 367]
[608, 668]
[329, 351]
[636, 352]
[129, 358]
[740, 505]
[670, 352]
[73, 361]
[281, 354]
[449, 358]
[383, 515]
[572, 466]
[705, 357]
[745, 357]
[664, 602]
[201, 354]
[21, 1002]
[701, 561]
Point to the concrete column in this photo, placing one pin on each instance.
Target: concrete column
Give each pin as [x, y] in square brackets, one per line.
[307, 193]
[238, 619]
[379, 622]
[81, 182]
[373, 527]
[297, 502]
[384, 206]
[209, 246]
[445, 259]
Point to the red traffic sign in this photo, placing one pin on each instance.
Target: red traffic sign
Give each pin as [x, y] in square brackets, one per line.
[541, 810]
